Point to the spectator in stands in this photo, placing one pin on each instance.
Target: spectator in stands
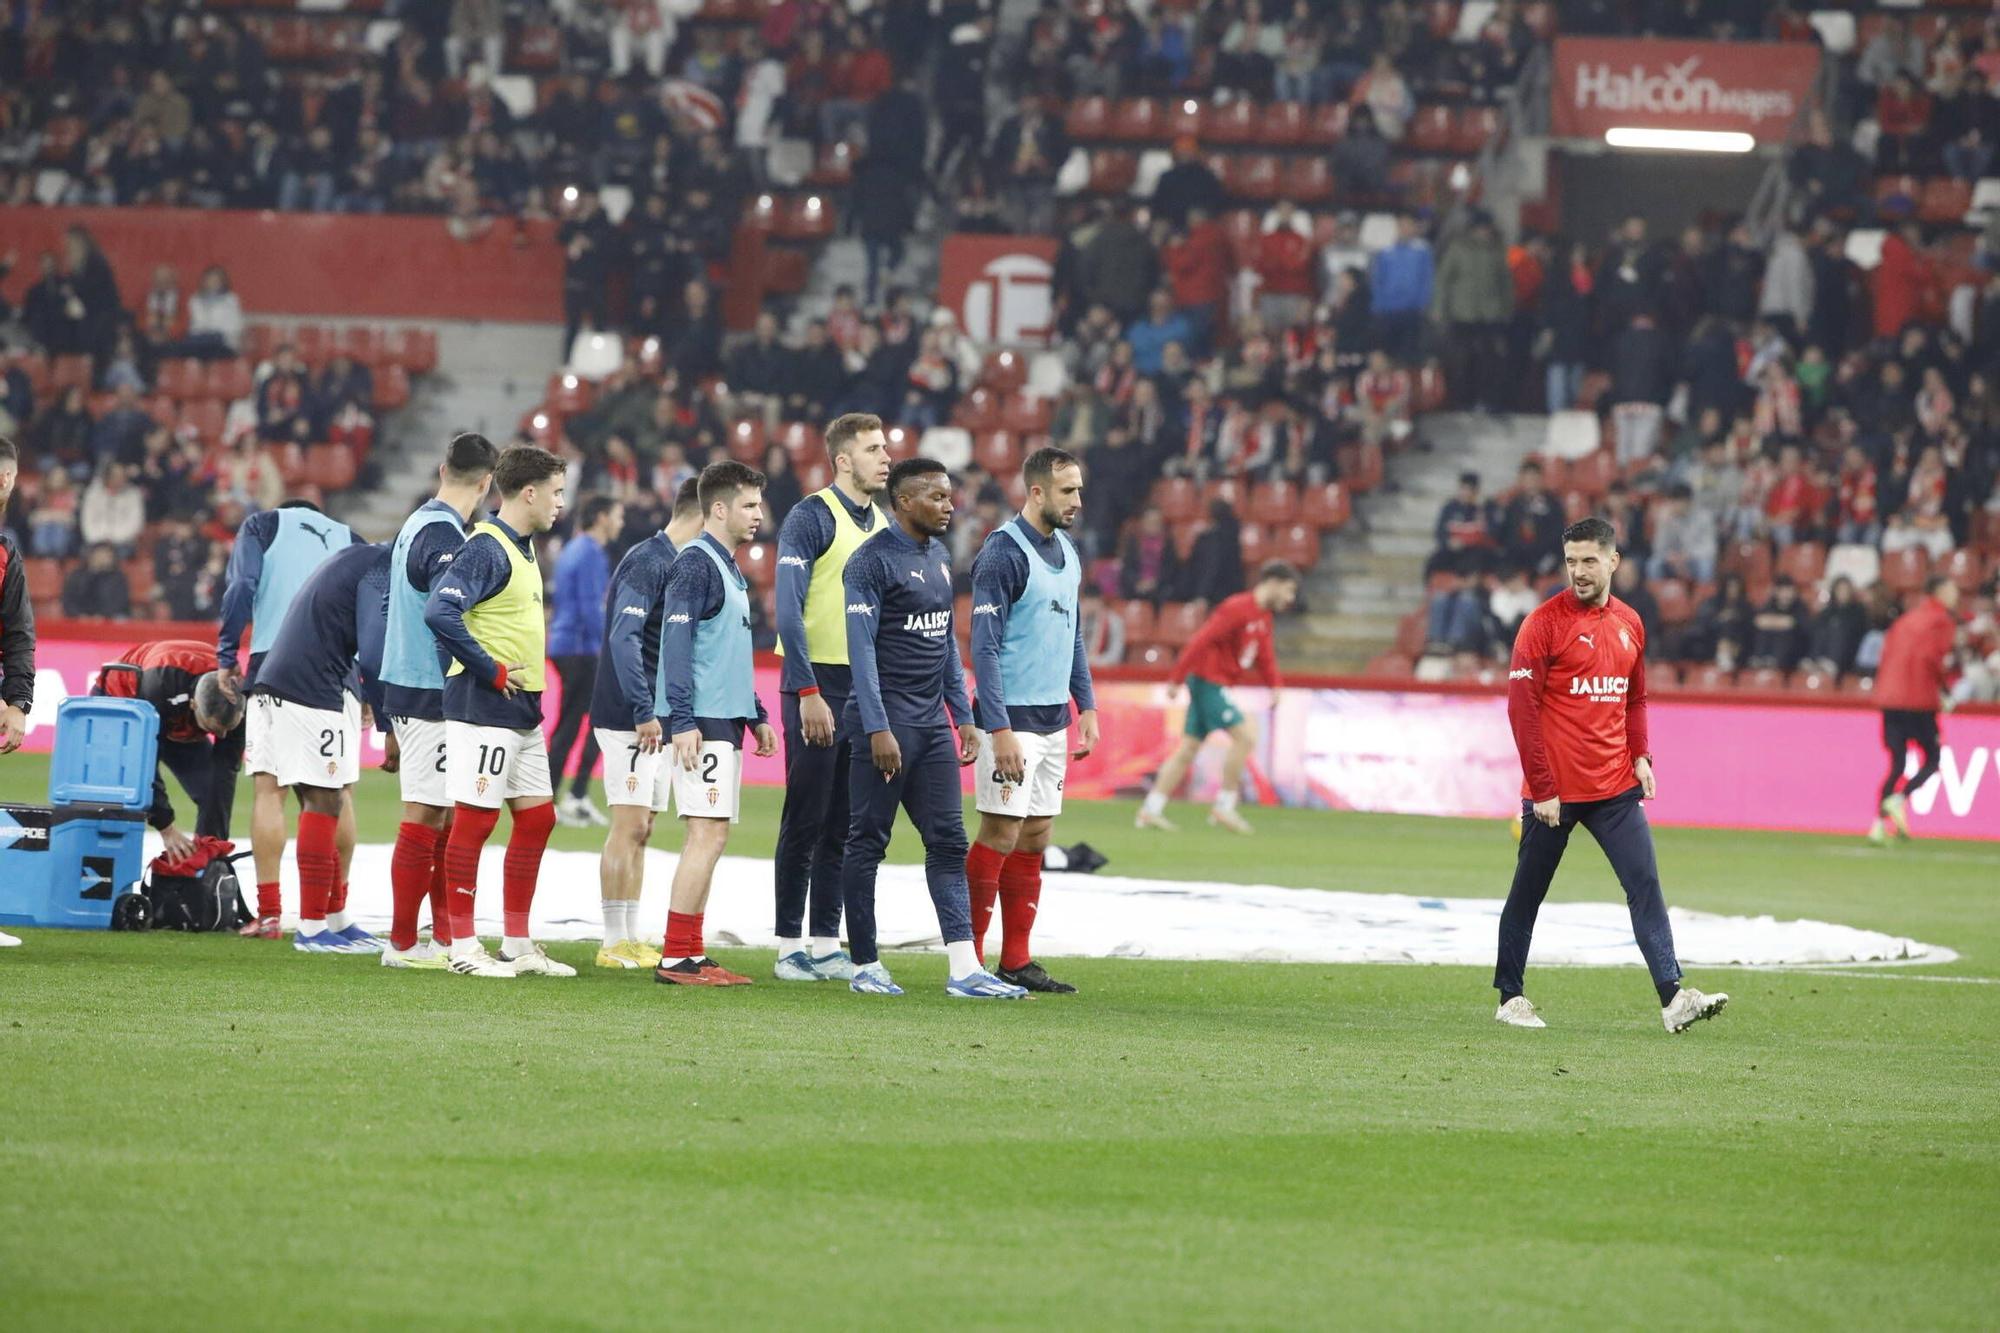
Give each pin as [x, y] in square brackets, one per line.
[1285, 262]
[284, 406]
[1967, 125]
[1514, 597]
[1214, 567]
[52, 525]
[885, 210]
[1532, 522]
[933, 385]
[1564, 342]
[1103, 628]
[1400, 282]
[1118, 269]
[758, 372]
[1197, 262]
[1629, 276]
[1721, 626]
[1189, 184]
[818, 377]
[1902, 113]
[859, 74]
[1894, 51]
[160, 313]
[1148, 566]
[477, 29]
[95, 289]
[215, 317]
[1026, 153]
[1779, 631]
[54, 312]
[1474, 299]
[61, 434]
[1629, 585]
[1361, 157]
[96, 589]
[587, 244]
[1162, 327]
[121, 432]
[311, 174]
[1684, 539]
[1835, 634]
[1464, 531]
[1828, 169]
[1386, 94]
[1787, 297]
[694, 349]
[1455, 621]
[114, 513]
[1641, 381]
[1898, 280]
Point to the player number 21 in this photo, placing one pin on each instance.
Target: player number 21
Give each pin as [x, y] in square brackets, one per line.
[333, 742]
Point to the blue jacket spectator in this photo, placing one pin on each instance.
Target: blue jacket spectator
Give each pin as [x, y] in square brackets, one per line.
[1149, 336]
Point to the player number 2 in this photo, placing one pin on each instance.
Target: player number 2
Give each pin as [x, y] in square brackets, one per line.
[492, 760]
[708, 766]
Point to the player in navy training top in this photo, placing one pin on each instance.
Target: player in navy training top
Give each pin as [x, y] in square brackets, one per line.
[906, 674]
[637, 783]
[312, 690]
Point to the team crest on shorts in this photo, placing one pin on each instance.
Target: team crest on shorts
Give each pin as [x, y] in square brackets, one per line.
[331, 768]
[713, 796]
[631, 783]
[479, 785]
[1006, 795]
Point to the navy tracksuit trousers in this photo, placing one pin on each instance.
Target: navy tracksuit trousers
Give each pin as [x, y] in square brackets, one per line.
[927, 786]
[812, 831]
[1619, 825]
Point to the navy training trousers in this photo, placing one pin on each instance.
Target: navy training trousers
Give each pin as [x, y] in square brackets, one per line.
[927, 785]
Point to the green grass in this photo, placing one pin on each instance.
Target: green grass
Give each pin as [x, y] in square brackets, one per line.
[202, 1132]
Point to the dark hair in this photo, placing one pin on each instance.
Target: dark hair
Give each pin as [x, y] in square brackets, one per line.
[593, 508]
[301, 504]
[1040, 467]
[214, 700]
[911, 467]
[687, 500]
[721, 481]
[845, 430]
[522, 466]
[1469, 479]
[1935, 583]
[1591, 530]
[9, 451]
[470, 456]
[1278, 571]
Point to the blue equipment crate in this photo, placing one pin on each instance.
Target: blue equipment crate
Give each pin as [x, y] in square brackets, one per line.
[104, 753]
[67, 867]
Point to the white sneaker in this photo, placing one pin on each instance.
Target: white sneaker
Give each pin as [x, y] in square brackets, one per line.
[1897, 807]
[1518, 1013]
[423, 956]
[835, 966]
[568, 815]
[479, 963]
[8, 941]
[587, 811]
[1876, 834]
[1690, 1007]
[536, 962]
[1230, 820]
[1147, 819]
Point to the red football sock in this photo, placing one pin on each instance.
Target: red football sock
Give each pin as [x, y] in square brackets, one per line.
[982, 880]
[337, 901]
[524, 863]
[1020, 895]
[319, 863]
[270, 902]
[470, 827]
[409, 880]
[440, 900]
[683, 935]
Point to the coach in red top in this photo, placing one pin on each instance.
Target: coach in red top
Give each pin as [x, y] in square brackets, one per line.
[1909, 687]
[1576, 698]
[178, 677]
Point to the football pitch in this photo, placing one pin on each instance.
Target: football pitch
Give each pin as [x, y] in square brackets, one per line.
[199, 1131]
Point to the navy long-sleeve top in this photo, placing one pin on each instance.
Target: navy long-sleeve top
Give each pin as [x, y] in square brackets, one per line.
[431, 552]
[630, 656]
[478, 571]
[694, 594]
[807, 535]
[900, 643]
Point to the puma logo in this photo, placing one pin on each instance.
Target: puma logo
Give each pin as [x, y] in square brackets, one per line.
[1586, 639]
[321, 533]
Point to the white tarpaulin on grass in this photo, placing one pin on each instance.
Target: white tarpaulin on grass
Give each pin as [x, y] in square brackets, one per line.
[1105, 916]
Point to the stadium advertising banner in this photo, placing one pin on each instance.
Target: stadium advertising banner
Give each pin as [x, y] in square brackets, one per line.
[1002, 288]
[1754, 88]
[1808, 769]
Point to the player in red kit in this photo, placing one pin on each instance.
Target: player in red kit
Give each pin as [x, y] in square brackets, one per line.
[1234, 645]
[1910, 686]
[1576, 698]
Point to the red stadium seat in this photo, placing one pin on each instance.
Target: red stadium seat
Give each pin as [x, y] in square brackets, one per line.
[1283, 125]
[1676, 603]
[834, 167]
[203, 416]
[1274, 502]
[261, 341]
[978, 411]
[1764, 678]
[1138, 617]
[1185, 117]
[45, 580]
[361, 343]
[1471, 127]
[392, 388]
[1256, 177]
[314, 343]
[1905, 571]
[1804, 562]
[329, 467]
[1309, 181]
[415, 350]
[1178, 500]
[1113, 170]
[1140, 118]
[1944, 200]
[1233, 123]
[1255, 544]
[1299, 545]
[1430, 130]
[998, 451]
[69, 371]
[1326, 506]
[815, 474]
[1089, 118]
[227, 380]
[568, 394]
[181, 378]
[1026, 415]
[1662, 676]
[1005, 371]
[759, 563]
[1412, 631]
[290, 462]
[163, 410]
[1710, 677]
[1177, 622]
[1389, 666]
[903, 442]
[1361, 466]
[1751, 559]
[1593, 473]
[746, 441]
[1328, 124]
[801, 440]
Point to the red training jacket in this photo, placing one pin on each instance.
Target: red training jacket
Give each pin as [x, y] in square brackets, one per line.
[1576, 698]
[168, 669]
[1916, 657]
[1233, 642]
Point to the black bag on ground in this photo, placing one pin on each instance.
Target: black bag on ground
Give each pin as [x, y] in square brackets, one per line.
[210, 899]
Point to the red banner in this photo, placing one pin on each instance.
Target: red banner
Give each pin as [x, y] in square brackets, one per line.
[1000, 287]
[1755, 88]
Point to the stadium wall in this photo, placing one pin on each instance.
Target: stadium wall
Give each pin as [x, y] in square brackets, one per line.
[1729, 761]
[322, 264]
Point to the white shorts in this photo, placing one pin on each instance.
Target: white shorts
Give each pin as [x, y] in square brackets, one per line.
[632, 777]
[713, 788]
[422, 770]
[489, 766]
[308, 747]
[1044, 759]
[256, 727]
